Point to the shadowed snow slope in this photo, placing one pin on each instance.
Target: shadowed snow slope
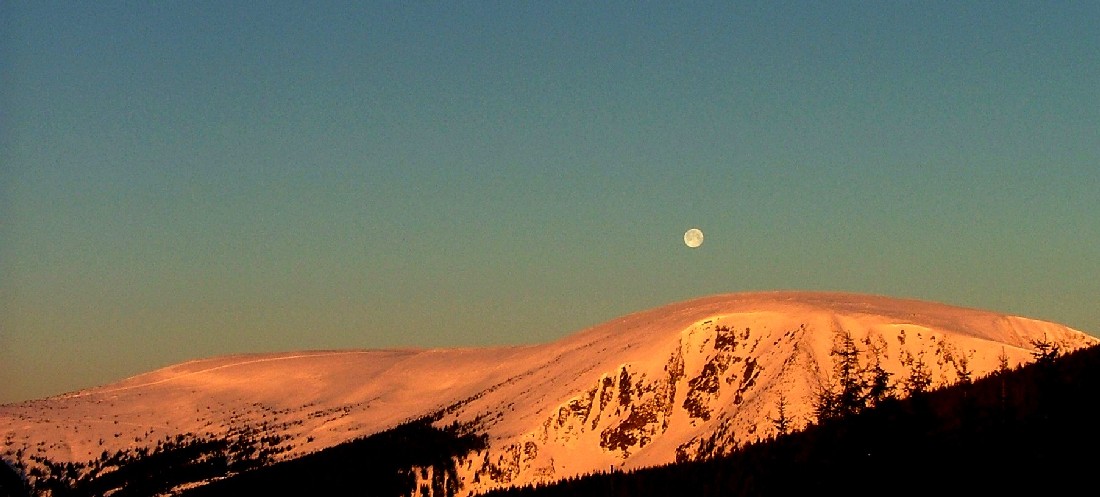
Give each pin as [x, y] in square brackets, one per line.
[683, 381]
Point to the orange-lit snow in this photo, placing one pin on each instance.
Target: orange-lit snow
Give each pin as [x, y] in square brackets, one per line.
[532, 400]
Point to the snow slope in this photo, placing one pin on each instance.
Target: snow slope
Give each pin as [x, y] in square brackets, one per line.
[681, 381]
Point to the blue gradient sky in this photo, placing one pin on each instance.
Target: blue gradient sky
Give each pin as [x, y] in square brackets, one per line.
[187, 179]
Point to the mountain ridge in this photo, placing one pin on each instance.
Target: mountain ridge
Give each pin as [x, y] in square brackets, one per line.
[682, 381]
[797, 299]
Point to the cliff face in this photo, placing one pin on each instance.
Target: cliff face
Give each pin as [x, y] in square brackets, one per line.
[684, 381]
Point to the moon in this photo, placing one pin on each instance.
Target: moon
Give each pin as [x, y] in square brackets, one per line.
[693, 237]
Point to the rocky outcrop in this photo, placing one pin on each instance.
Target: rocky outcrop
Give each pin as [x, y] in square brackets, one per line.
[717, 389]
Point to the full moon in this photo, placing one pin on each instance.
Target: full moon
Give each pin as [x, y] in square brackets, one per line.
[693, 238]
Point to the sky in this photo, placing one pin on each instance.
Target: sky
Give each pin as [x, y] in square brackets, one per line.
[181, 180]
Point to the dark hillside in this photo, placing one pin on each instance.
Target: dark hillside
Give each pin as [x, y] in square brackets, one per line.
[379, 465]
[11, 484]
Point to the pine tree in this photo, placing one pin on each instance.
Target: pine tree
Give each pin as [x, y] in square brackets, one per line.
[846, 393]
[851, 398]
[962, 369]
[1002, 362]
[1045, 351]
[920, 377]
[878, 378]
[825, 403]
[781, 422]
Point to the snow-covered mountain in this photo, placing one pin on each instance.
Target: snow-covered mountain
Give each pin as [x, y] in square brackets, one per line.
[682, 381]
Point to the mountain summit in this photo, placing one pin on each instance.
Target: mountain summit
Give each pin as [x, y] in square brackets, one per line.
[684, 381]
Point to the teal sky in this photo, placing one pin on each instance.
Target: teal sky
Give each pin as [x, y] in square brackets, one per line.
[188, 179]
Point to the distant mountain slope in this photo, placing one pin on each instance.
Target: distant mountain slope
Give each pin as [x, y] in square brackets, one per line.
[684, 381]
